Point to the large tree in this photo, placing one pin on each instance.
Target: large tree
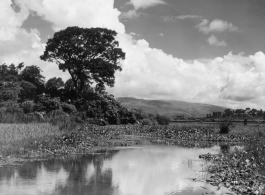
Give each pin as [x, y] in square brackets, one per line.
[90, 55]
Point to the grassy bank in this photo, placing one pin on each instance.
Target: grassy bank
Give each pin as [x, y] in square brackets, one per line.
[41, 138]
[17, 138]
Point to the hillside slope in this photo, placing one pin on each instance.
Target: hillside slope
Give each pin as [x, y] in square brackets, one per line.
[170, 107]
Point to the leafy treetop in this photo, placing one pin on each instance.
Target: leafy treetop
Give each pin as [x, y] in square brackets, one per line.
[91, 56]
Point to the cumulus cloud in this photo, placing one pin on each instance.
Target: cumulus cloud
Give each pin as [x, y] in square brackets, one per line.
[226, 81]
[212, 40]
[233, 80]
[216, 26]
[146, 3]
[131, 14]
[82, 13]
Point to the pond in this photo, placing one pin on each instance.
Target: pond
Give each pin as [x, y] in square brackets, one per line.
[147, 170]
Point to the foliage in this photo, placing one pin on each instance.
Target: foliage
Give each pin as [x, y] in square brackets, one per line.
[68, 108]
[89, 55]
[28, 91]
[54, 87]
[162, 120]
[28, 106]
[9, 91]
[92, 57]
[32, 74]
[107, 108]
[69, 93]
[10, 73]
[138, 113]
[12, 107]
[225, 127]
[146, 122]
[49, 104]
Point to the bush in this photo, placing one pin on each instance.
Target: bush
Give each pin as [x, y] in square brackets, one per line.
[13, 108]
[162, 120]
[49, 103]
[106, 107]
[224, 127]
[245, 121]
[146, 122]
[27, 106]
[68, 108]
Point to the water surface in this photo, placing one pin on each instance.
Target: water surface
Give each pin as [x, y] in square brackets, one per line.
[150, 170]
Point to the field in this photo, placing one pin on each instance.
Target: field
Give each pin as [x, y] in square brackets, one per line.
[15, 138]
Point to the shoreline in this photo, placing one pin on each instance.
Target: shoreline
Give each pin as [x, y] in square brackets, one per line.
[94, 140]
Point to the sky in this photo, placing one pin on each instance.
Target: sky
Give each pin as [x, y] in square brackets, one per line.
[205, 51]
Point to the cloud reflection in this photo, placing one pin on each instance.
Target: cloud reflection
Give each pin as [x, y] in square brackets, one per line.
[46, 182]
[156, 170]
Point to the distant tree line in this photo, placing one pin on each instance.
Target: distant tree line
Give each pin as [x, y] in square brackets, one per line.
[239, 114]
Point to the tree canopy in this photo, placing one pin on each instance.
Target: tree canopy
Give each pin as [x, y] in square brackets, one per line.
[90, 55]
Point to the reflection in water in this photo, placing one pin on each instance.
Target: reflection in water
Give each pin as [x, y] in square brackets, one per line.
[154, 170]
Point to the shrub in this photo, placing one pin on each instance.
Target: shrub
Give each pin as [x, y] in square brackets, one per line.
[146, 122]
[224, 127]
[245, 121]
[27, 106]
[68, 108]
[162, 120]
[12, 108]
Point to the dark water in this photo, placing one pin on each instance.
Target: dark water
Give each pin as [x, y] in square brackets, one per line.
[150, 170]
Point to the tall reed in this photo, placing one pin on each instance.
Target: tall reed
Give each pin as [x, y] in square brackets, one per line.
[19, 138]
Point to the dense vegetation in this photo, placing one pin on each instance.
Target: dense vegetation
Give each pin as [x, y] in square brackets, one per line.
[91, 56]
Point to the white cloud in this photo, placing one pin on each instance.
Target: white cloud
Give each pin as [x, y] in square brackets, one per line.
[231, 80]
[212, 40]
[184, 17]
[82, 13]
[216, 26]
[131, 14]
[145, 3]
[161, 34]
[226, 81]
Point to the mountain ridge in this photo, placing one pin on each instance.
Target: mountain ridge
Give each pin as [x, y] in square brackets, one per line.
[170, 107]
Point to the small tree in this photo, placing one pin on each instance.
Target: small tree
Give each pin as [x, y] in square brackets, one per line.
[89, 55]
[162, 120]
[54, 87]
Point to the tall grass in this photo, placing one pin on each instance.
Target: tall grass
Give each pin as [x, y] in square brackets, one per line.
[19, 138]
[250, 130]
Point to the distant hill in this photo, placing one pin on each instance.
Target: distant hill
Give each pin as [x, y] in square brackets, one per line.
[170, 107]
